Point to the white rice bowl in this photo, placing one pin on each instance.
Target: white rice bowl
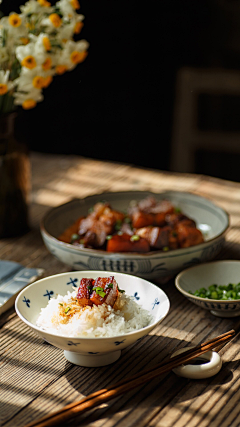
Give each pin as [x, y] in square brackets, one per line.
[143, 306]
[96, 321]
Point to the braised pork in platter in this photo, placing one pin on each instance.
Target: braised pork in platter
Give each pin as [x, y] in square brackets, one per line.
[148, 225]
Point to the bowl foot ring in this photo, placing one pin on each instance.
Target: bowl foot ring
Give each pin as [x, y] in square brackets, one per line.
[92, 360]
[225, 314]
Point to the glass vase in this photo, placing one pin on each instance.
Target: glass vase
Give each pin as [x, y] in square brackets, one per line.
[15, 179]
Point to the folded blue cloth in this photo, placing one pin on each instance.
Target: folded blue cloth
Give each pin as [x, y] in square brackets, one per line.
[13, 278]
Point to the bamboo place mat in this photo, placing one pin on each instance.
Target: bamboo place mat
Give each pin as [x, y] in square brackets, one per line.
[36, 379]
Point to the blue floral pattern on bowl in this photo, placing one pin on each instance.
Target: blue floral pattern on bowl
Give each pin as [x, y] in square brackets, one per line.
[100, 351]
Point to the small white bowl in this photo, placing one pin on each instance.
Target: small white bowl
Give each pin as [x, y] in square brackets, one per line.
[91, 352]
[204, 275]
[158, 266]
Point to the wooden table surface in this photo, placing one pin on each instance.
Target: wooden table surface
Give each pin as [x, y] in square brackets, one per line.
[35, 377]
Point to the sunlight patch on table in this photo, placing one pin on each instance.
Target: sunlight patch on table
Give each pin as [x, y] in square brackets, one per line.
[49, 198]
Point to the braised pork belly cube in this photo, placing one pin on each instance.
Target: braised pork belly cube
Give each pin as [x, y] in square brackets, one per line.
[84, 292]
[140, 219]
[100, 223]
[95, 237]
[110, 217]
[173, 218]
[150, 212]
[188, 235]
[99, 291]
[158, 238]
[105, 290]
[151, 205]
[173, 240]
[127, 243]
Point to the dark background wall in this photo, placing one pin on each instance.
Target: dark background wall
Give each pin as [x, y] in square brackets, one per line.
[118, 104]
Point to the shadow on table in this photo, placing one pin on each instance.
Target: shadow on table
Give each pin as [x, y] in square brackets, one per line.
[157, 393]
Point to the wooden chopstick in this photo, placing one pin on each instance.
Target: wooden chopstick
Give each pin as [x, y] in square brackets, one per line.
[104, 395]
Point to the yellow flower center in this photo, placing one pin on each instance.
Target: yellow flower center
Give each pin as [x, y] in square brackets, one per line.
[47, 64]
[24, 40]
[47, 80]
[44, 3]
[29, 62]
[28, 104]
[55, 20]
[14, 20]
[77, 57]
[75, 4]
[46, 43]
[38, 82]
[61, 69]
[3, 89]
[78, 27]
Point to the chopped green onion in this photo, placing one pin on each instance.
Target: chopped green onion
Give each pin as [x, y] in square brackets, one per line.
[134, 238]
[219, 292]
[109, 237]
[60, 304]
[165, 248]
[99, 291]
[177, 210]
[67, 309]
[74, 237]
[110, 285]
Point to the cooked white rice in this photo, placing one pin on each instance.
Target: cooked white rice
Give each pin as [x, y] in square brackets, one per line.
[95, 321]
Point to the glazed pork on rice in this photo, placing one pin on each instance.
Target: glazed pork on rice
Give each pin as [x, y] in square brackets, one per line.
[99, 291]
[98, 308]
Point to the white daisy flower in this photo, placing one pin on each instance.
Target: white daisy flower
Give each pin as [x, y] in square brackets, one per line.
[30, 56]
[72, 54]
[52, 22]
[33, 6]
[42, 43]
[14, 24]
[34, 79]
[28, 100]
[68, 7]
[70, 27]
[5, 84]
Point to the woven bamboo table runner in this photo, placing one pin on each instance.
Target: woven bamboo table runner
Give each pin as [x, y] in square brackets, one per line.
[35, 377]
